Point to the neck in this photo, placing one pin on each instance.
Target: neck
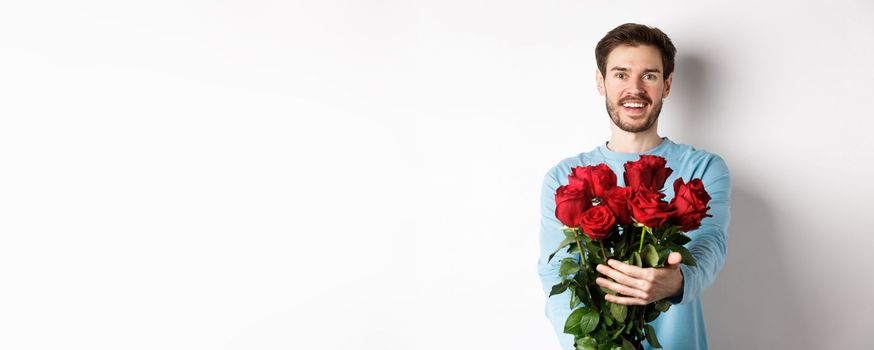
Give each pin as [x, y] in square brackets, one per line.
[633, 142]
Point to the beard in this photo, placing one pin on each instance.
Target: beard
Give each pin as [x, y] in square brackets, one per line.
[614, 109]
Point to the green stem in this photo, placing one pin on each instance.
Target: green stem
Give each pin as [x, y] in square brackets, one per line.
[583, 262]
[604, 252]
[642, 233]
[583, 265]
[629, 239]
[642, 322]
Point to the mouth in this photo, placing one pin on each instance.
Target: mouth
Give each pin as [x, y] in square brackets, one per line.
[634, 107]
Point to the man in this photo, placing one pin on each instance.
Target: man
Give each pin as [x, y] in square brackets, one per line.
[634, 74]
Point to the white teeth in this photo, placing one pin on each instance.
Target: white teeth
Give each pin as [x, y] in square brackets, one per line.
[632, 104]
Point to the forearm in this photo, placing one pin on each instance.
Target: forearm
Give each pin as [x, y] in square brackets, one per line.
[709, 250]
[557, 306]
[709, 242]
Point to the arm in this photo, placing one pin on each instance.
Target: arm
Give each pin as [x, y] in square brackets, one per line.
[557, 306]
[708, 243]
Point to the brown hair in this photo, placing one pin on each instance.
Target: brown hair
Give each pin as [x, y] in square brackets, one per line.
[634, 34]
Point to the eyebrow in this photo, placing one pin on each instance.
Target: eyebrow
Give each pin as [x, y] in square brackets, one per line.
[624, 69]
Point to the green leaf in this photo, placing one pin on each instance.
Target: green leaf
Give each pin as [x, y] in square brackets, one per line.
[589, 321]
[688, 259]
[559, 288]
[620, 246]
[600, 334]
[572, 324]
[583, 277]
[635, 258]
[568, 267]
[651, 314]
[564, 243]
[670, 231]
[681, 239]
[575, 300]
[651, 337]
[583, 294]
[609, 346]
[663, 256]
[586, 343]
[595, 252]
[617, 332]
[626, 345]
[607, 290]
[618, 311]
[581, 321]
[650, 255]
[573, 248]
[663, 305]
[570, 232]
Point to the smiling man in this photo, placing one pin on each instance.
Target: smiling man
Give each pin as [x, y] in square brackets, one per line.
[634, 74]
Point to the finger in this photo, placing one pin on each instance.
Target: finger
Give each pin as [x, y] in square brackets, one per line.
[624, 300]
[621, 289]
[620, 277]
[674, 259]
[631, 270]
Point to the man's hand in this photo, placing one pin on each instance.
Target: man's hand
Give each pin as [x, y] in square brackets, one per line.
[641, 286]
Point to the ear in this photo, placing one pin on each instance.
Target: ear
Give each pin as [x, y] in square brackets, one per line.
[668, 85]
[599, 82]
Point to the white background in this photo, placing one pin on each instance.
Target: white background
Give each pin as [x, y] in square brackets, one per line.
[365, 174]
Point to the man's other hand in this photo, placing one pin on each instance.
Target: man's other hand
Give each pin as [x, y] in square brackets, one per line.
[641, 286]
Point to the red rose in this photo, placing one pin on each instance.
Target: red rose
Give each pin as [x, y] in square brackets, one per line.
[649, 172]
[689, 205]
[598, 222]
[570, 202]
[600, 178]
[617, 200]
[648, 208]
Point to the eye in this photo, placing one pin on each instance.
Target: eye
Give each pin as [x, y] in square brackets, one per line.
[620, 75]
[649, 76]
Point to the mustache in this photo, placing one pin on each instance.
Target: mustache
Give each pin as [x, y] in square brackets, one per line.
[636, 97]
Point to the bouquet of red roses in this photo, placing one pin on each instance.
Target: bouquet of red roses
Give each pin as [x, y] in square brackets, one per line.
[633, 224]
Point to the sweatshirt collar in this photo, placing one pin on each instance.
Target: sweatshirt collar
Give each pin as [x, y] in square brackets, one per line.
[660, 150]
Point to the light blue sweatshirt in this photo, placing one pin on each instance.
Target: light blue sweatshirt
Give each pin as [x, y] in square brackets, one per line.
[681, 327]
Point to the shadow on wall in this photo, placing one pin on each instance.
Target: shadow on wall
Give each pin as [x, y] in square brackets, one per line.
[693, 98]
[752, 304]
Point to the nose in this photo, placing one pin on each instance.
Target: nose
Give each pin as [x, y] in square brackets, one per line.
[637, 86]
[635, 89]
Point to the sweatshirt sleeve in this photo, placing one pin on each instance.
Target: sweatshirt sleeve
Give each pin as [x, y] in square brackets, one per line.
[557, 306]
[708, 244]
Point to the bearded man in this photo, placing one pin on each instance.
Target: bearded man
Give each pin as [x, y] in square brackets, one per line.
[634, 74]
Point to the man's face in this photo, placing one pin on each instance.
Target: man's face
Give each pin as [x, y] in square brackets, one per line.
[634, 86]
